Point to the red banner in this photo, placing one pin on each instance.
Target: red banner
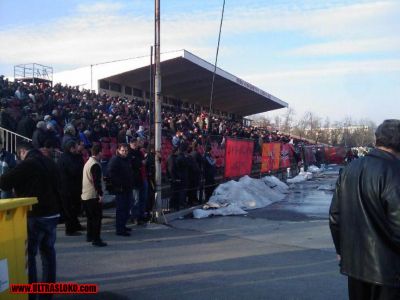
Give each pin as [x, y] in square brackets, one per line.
[271, 153]
[335, 155]
[238, 157]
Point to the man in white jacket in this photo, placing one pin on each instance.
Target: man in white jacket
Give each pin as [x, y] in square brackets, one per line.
[92, 196]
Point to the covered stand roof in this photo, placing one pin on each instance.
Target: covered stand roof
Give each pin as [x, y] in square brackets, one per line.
[188, 77]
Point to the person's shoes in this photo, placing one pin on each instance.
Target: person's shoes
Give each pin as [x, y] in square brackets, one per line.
[73, 233]
[123, 233]
[127, 229]
[99, 243]
[80, 227]
[142, 223]
[89, 240]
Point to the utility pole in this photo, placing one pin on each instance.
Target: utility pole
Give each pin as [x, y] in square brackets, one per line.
[157, 110]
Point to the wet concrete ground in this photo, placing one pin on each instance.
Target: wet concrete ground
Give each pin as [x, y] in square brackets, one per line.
[309, 200]
[283, 251]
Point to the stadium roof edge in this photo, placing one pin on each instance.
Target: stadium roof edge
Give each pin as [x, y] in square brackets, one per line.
[184, 76]
[205, 64]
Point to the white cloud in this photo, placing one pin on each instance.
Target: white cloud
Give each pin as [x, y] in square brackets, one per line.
[99, 8]
[375, 45]
[329, 69]
[98, 32]
[344, 21]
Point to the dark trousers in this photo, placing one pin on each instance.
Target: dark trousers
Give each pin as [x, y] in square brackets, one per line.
[192, 191]
[94, 214]
[209, 187]
[71, 210]
[361, 290]
[123, 205]
[142, 205]
[42, 236]
[178, 195]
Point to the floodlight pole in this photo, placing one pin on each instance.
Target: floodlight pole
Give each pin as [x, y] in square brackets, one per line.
[157, 111]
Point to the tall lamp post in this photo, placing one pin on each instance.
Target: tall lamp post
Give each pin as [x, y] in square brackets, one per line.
[157, 110]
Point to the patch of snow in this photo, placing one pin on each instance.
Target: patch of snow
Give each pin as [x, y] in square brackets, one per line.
[233, 197]
[231, 209]
[303, 176]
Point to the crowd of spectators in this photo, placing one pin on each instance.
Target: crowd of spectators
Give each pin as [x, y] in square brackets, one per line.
[53, 115]
[57, 113]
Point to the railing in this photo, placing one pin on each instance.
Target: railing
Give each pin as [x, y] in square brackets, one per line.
[10, 139]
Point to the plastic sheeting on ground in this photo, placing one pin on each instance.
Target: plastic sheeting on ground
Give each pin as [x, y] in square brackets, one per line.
[233, 197]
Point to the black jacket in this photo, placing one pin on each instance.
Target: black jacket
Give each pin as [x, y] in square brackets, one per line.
[209, 168]
[36, 176]
[71, 170]
[26, 127]
[364, 218]
[121, 174]
[135, 157]
[38, 138]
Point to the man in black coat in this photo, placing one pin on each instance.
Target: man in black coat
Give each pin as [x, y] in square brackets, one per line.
[26, 126]
[71, 165]
[37, 176]
[121, 176]
[178, 174]
[209, 173]
[39, 135]
[365, 219]
[136, 158]
[195, 162]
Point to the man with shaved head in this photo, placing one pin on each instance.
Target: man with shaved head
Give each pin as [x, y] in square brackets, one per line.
[364, 219]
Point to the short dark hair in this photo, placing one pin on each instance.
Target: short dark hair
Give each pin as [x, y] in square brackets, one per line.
[122, 145]
[96, 149]
[24, 145]
[68, 145]
[388, 134]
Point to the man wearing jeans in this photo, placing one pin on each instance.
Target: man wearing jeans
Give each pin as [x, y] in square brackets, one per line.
[37, 176]
[121, 176]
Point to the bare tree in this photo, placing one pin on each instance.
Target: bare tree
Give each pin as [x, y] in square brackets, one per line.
[262, 121]
[287, 120]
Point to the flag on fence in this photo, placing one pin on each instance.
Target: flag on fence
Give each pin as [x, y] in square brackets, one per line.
[238, 157]
[271, 153]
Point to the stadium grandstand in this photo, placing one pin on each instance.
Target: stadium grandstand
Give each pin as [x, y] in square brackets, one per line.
[186, 78]
[109, 104]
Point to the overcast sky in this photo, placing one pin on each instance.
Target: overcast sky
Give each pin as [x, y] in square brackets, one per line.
[337, 58]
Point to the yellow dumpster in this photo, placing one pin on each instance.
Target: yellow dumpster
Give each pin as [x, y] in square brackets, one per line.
[13, 244]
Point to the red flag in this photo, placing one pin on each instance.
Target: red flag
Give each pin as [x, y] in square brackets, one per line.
[270, 157]
[238, 157]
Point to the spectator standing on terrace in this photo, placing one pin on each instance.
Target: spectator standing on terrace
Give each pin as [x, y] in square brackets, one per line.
[180, 171]
[92, 196]
[37, 176]
[39, 135]
[26, 126]
[69, 134]
[70, 164]
[121, 176]
[365, 219]
[209, 173]
[7, 162]
[194, 174]
[173, 178]
[136, 159]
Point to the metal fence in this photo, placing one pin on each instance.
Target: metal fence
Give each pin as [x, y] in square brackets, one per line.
[10, 139]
